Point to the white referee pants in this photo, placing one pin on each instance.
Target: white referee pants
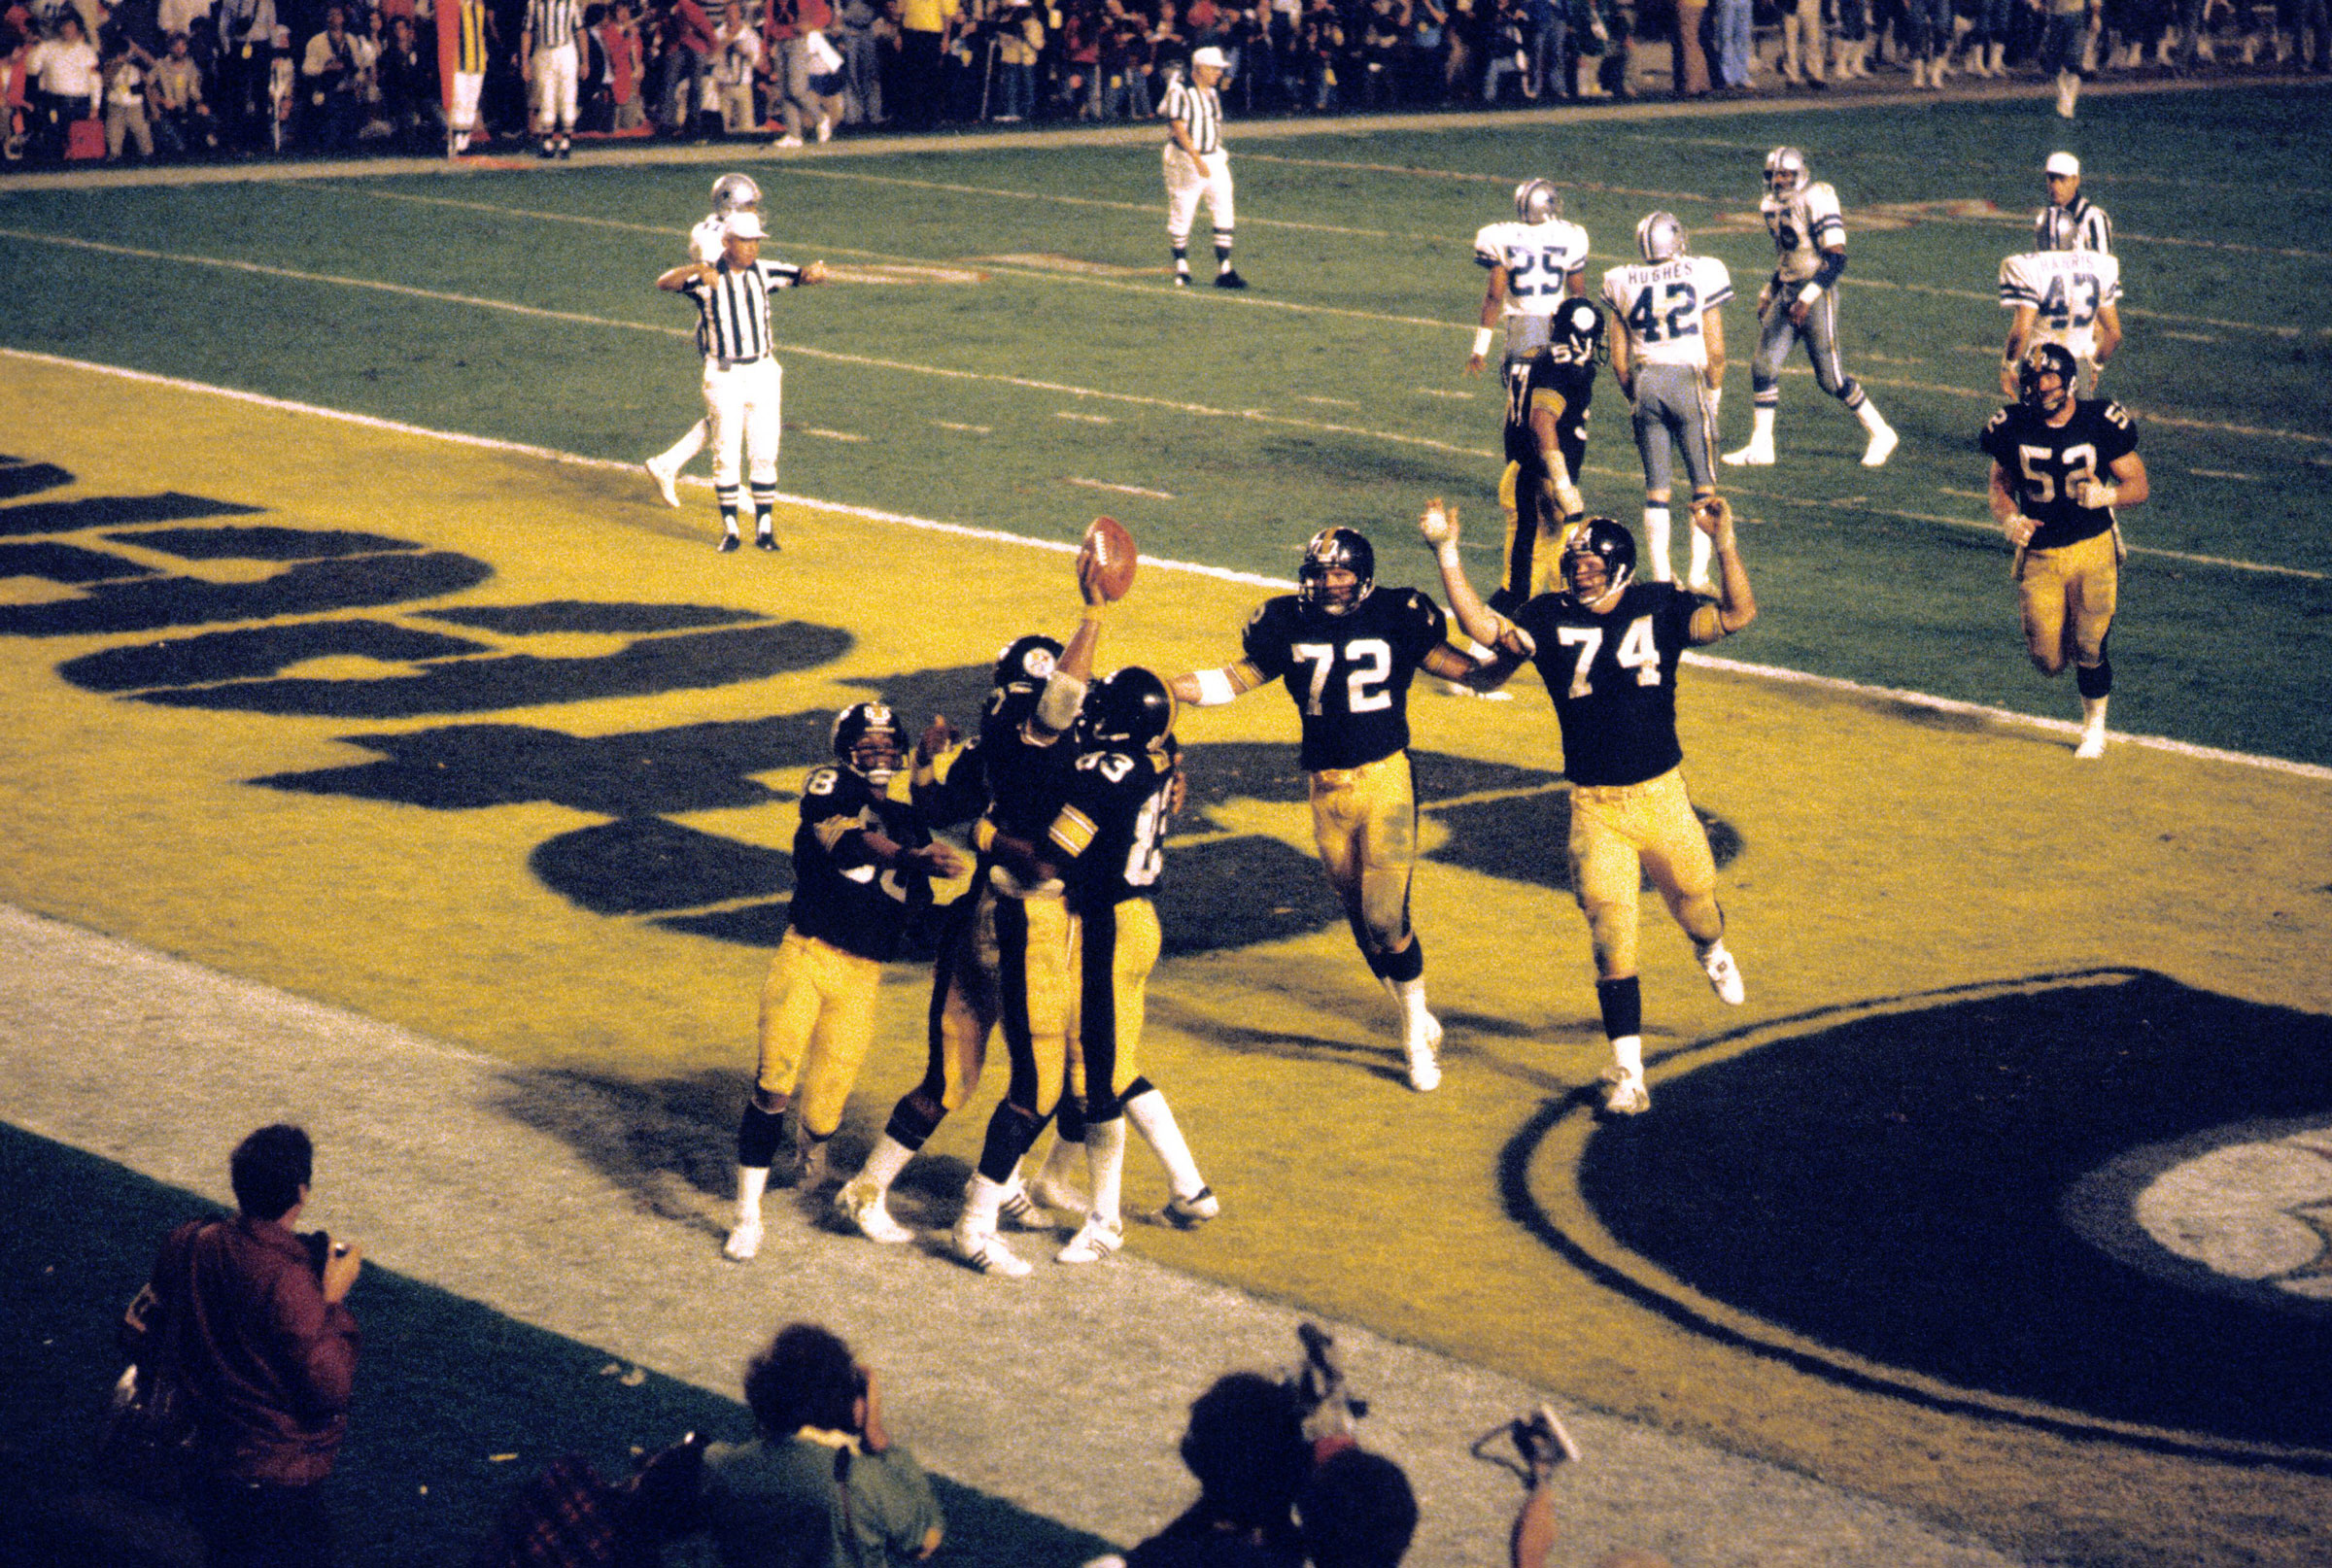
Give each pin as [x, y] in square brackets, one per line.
[742, 414]
[1189, 178]
[555, 73]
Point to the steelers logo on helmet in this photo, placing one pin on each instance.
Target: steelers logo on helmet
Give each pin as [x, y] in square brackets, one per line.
[1537, 201]
[1130, 708]
[731, 193]
[2044, 378]
[1339, 568]
[1026, 661]
[1659, 237]
[1785, 171]
[868, 741]
[1598, 560]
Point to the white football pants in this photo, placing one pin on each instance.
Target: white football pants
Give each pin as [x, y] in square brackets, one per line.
[555, 72]
[741, 411]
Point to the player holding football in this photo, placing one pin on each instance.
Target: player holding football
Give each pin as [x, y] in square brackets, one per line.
[2059, 467]
[1608, 648]
[863, 865]
[1800, 300]
[1347, 651]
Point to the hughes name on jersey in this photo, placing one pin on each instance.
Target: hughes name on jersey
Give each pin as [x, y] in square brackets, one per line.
[841, 896]
[1349, 674]
[2042, 459]
[2067, 288]
[1663, 303]
[1613, 678]
[1803, 224]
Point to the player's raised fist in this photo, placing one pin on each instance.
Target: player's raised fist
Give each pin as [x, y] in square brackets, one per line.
[1439, 524]
[1713, 516]
[1105, 562]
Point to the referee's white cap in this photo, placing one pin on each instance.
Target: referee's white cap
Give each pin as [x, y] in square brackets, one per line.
[2063, 163]
[1211, 55]
[744, 226]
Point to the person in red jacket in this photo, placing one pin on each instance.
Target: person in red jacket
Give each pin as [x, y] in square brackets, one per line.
[256, 1317]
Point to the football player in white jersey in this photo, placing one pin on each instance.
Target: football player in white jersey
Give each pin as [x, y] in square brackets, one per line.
[1801, 301]
[1535, 262]
[731, 193]
[1667, 348]
[2060, 294]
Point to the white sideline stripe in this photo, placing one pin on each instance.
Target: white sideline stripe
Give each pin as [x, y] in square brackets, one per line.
[1086, 418]
[967, 429]
[1939, 704]
[830, 435]
[1122, 490]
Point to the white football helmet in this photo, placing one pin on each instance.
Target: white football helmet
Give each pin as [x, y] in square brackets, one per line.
[1659, 237]
[732, 193]
[1786, 171]
[1537, 201]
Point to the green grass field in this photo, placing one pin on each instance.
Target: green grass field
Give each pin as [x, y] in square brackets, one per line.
[497, 749]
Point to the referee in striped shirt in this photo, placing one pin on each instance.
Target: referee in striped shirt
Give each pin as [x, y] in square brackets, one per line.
[1197, 165]
[550, 57]
[743, 383]
[2071, 222]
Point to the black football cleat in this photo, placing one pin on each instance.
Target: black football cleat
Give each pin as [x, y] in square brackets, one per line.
[730, 544]
[764, 541]
[1229, 280]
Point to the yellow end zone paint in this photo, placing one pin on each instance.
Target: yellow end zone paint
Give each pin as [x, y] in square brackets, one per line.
[1888, 851]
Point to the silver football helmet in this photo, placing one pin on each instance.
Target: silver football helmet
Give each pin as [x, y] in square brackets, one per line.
[1537, 201]
[1786, 171]
[732, 193]
[1659, 237]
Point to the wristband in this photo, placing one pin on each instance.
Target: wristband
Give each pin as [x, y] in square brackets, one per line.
[1482, 338]
[1446, 553]
[1214, 688]
[1479, 654]
[1809, 294]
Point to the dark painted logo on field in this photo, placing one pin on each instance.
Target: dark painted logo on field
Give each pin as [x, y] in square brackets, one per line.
[269, 629]
[2109, 1195]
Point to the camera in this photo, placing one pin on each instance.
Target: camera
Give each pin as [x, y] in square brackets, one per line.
[1326, 1407]
[320, 1250]
[1540, 1443]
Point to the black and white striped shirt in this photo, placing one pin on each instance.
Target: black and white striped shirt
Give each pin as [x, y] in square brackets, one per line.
[733, 323]
[1200, 110]
[553, 24]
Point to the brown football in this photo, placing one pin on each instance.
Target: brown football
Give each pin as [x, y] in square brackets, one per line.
[1111, 548]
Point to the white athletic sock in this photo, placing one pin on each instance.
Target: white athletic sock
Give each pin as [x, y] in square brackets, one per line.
[1411, 995]
[675, 456]
[1105, 1163]
[1704, 548]
[2093, 714]
[1761, 428]
[1153, 1118]
[1655, 543]
[1061, 1161]
[1628, 1052]
[1868, 414]
[983, 1199]
[752, 1181]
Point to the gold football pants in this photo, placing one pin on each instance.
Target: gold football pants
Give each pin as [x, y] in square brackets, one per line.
[1621, 833]
[1364, 821]
[1544, 556]
[1111, 953]
[1011, 972]
[817, 1020]
[2069, 596]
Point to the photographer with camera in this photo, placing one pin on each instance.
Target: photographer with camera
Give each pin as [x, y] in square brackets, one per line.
[823, 1481]
[253, 1323]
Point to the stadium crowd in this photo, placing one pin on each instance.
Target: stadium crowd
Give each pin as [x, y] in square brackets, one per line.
[207, 78]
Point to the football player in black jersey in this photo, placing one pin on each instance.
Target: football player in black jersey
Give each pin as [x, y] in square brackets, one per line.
[1608, 648]
[1347, 651]
[1547, 396]
[863, 865]
[2059, 467]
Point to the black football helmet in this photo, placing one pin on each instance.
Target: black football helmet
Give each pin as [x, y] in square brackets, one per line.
[1130, 708]
[1329, 548]
[1027, 662]
[2041, 361]
[867, 740]
[1610, 548]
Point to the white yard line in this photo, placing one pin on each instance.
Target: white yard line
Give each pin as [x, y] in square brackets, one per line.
[1224, 574]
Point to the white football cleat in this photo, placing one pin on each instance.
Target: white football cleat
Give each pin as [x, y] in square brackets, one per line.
[1625, 1096]
[1724, 976]
[861, 1203]
[666, 481]
[1019, 1211]
[1425, 1071]
[1881, 447]
[1752, 455]
[1095, 1240]
[2092, 746]
[1188, 1213]
[985, 1251]
[744, 1241]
